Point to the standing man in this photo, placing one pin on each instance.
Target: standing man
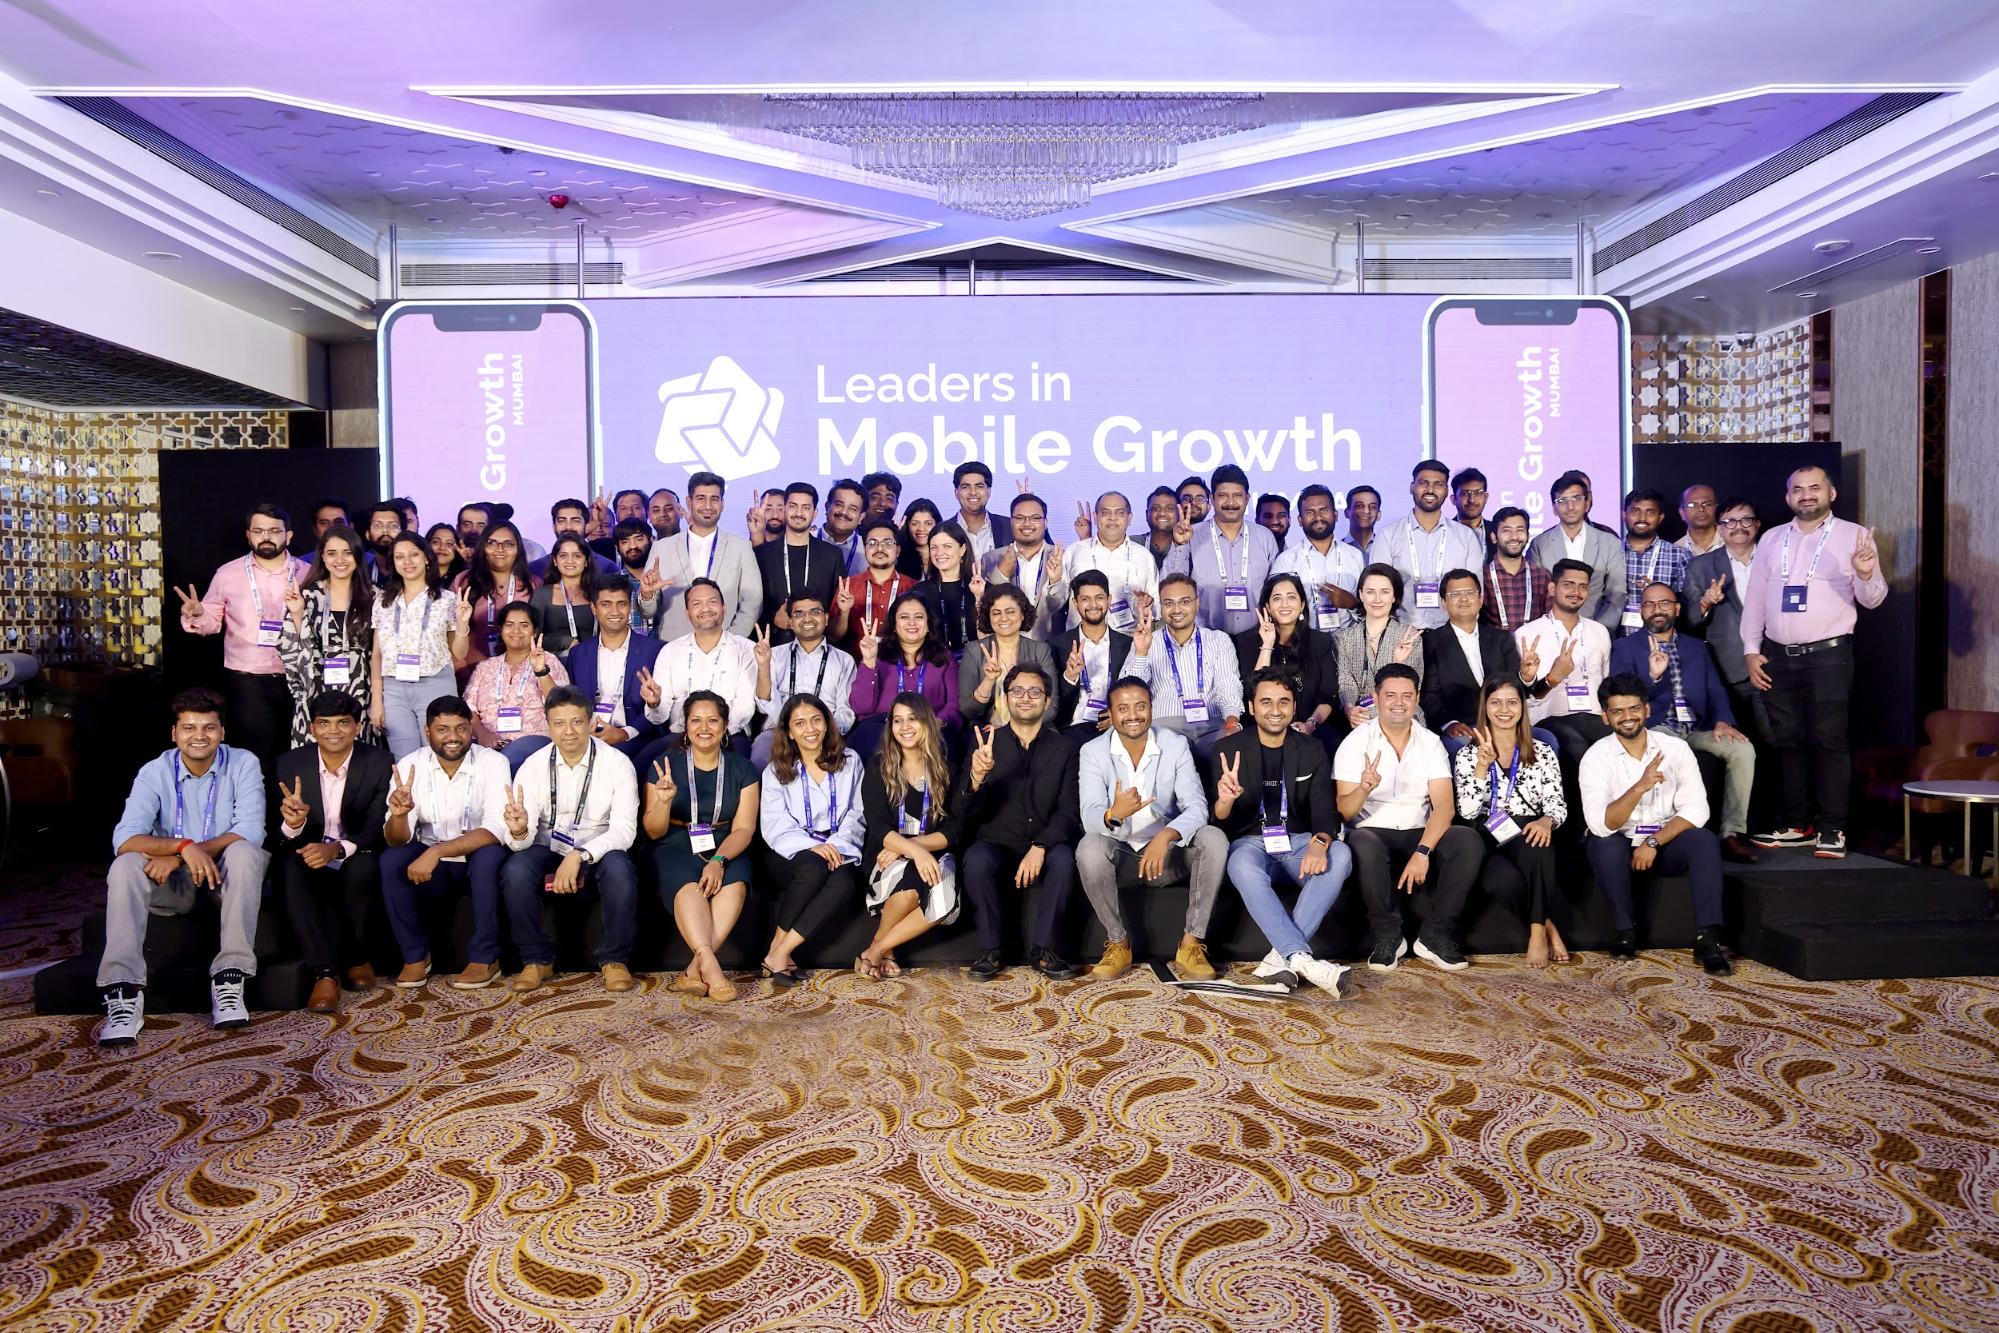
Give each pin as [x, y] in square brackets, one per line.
[1458, 655]
[632, 538]
[766, 521]
[806, 665]
[702, 550]
[1697, 511]
[1567, 657]
[1093, 655]
[1273, 800]
[1647, 559]
[445, 819]
[1645, 806]
[1805, 587]
[1227, 557]
[1424, 547]
[1515, 591]
[1127, 566]
[568, 824]
[1205, 701]
[973, 484]
[329, 513]
[707, 657]
[1363, 512]
[845, 503]
[800, 562]
[1468, 492]
[1689, 700]
[1017, 798]
[1273, 515]
[884, 492]
[1575, 538]
[193, 820]
[1033, 564]
[571, 518]
[1162, 515]
[1145, 822]
[1329, 568]
[1193, 493]
[612, 668]
[1713, 596]
[331, 799]
[473, 520]
[663, 512]
[246, 602]
[384, 522]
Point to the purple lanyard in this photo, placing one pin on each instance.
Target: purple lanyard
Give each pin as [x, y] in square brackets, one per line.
[901, 678]
[220, 767]
[832, 814]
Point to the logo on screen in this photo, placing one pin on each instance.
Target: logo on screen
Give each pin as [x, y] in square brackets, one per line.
[719, 421]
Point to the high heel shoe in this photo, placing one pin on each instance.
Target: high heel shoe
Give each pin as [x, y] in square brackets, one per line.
[785, 979]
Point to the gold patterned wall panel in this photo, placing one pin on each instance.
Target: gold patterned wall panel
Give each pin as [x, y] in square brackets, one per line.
[1701, 387]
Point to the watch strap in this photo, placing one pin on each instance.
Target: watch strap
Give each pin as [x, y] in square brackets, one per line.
[1422, 849]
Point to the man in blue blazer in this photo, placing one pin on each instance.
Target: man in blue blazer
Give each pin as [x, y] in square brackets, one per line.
[614, 667]
[1689, 699]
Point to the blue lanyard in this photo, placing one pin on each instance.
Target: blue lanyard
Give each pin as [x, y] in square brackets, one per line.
[220, 767]
[1512, 781]
[422, 630]
[1784, 572]
[1200, 667]
[714, 543]
[923, 820]
[833, 800]
[901, 678]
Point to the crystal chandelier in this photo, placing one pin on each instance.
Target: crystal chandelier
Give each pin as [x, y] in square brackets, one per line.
[1013, 155]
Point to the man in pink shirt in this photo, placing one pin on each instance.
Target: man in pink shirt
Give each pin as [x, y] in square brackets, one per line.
[1805, 584]
[246, 602]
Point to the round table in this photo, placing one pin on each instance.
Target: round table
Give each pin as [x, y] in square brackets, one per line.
[1970, 793]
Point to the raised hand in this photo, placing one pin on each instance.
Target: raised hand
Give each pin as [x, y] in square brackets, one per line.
[292, 808]
[1657, 662]
[464, 610]
[600, 515]
[982, 754]
[1228, 781]
[1266, 629]
[1126, 802]
[662, 788]
[1370, 775]
[870, 641]
[991, 668]
[1488, 750]
[1406, 645]
[762, 647]
[977, 584]
[294, 599]
[537, 660]
[649, 688]
[1652, 777]
[401, 798]
[1083, 528]
[1141, 634]
[1712, 597]
[1022, 486]
[190, 603]
[1009, 562]
[1183, 526]
[1530, 662]
[1866, 556]
[515, 812]
[1073, 672]
[1565, 662]
[843, 600]
[650, 583]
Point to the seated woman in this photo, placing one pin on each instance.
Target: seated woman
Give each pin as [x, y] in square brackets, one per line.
[562, 613]
[1005, 612]
[1378, 636]
[701, 813]
[912, 876]
[505, 692]
[810, 813]
[1509, 787]
[918, 662]
[1284, 638]
[952, 588]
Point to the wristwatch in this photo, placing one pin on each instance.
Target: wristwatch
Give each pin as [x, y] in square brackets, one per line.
[1652, 842]
[541, 671]
[1422, 849]
[584, 853]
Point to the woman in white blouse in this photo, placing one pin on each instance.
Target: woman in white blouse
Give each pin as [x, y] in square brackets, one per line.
[810, 812]
[1509, 787]
[418, 626]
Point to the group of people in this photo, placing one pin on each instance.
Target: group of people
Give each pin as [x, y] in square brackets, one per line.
[849, 707]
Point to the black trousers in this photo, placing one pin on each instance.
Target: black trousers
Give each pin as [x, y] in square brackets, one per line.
[986, 875]
[1520, 875]
[1696, 853]
[1807, 702]
[814, 892]
[260, 714]
[1378, 857]
[329, 907]
[1574, 733]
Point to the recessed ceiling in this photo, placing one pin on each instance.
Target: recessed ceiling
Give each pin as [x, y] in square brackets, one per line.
[52, 366]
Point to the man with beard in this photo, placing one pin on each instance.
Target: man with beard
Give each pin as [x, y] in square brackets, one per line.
[663, 512]
[884, 492]
[1031, 563]
[1468, 495]
[1425, 547]
[473, 520]
[1647, 559]
[867, 596]
[845, 503]
[797, 562]
[1204, 702]
[1567, 657]
[1716, 582]
[1515, 591]
[246, 603]
[766, 520]
[1227, 557]
[625, 505]
[1329, 569]
[1798, 619]
[632, 539]
[1194, 494]
[1093, 655]
[1162, 512]
[1126, 566]
[1363, 512]
[383, 522]
[807, 665]
[1273, 515]
[701, 550]
[1644, 804]
[443, 832]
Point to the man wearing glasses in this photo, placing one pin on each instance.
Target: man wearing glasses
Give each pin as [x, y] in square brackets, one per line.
[866, 597]
[1574, 537]
[246, 603]
[1712, 596]
[1697, 511]
[1469, 490]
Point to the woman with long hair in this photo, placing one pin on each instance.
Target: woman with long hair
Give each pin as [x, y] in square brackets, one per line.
[912, 876]
[1509, 787]
[326, 643]
[701, 813]
[498, 576]
[1379, 636]
[810, 813]
[1284, 638]
[1004, 612]
[953, 587]
[442, 543]
[903, 654]
[918, 522]
[561, 604]
[506, 691]
[418, 627]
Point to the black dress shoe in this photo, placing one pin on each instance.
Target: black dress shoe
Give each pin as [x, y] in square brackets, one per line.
[1625, 945]
[1051, 965]
[988, 966]
[1736, 848]
[1713, 957]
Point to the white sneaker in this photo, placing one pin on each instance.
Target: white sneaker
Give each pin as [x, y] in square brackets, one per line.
[225, 1000]
[1443, 955]
[124, 1015]
[1329, 977]
[1273, 963]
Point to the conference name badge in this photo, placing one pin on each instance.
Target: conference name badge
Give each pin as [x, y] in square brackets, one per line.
[1235, 597]
[1196, 710]
[1094, 708]
[560, 839]
[701, 837]
[268, 631]
[337, 670]
[1502, 828]
[1276, 840]
[604, 709]
[1794, 596]
[1578, 690]
[508, 721]
[1121, 615]
[1428, 598]
[1681, 711]
[1632, 618]
[1644, 831]
[409, 667]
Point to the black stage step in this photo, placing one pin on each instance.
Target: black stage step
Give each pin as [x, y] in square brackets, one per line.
[1863, 919]
[1848, 952]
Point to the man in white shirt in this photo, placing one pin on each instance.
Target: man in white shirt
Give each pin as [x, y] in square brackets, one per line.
[1329, 568]
[1645, 808]
[1033, 564]
[1228, 556]
[1195, 671]
[1425, 546]
[443, 833]
[1566, 657]
[806, 665]
[1127, 565]
[1393, 784]
[703, 550]
[568, 823]
[1145, 822]
[707, 657]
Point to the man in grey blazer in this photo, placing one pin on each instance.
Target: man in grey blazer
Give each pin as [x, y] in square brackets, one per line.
[1032, 563]
[1574, 537]
[702, 550]
[1716, 581]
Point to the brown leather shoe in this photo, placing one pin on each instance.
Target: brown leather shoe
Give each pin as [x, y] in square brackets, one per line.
[617, 977]
[414, 974]
[1193, 960]
[325, 997]
[361, 976]
[1736, 848]
[723, 992]
[532, 976]
[686, 985]
[1116, 961]
[476, 976]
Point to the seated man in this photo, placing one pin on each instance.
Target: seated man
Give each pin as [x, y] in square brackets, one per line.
[1194, 669]
[1017, 798]
[1458, 655]
[1092, 655]
[194, 820]
[1689, 700]
[1145, 820]
[806, 665]
[1395, 793]
[1645, 806]
[1279, 814]
[569, 821]
[611, 668]
[707, 657]
[330, 805]
[443, 835]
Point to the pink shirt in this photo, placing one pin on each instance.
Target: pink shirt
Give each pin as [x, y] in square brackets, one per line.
[229, 606]
[1831, 593]
[494, 686]
[332, 790]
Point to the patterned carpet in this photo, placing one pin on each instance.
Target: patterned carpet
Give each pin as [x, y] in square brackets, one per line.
[1600, 1146]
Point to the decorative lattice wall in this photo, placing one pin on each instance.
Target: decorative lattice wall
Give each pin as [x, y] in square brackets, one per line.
[1700, 387]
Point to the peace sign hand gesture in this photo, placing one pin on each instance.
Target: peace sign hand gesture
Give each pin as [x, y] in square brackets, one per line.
[982, 755]
[1266, 629]
[1051, 566]
[1183, 526]
[537, 659]
[190, 603]
[1866, 556]
[870, 642]
[1407, 644]
[1083, 528]
[662, 789]
[292, 808]
[1228, 780]
[1530, 662]
[1657, 661]
[977, 584]
[1565, 662]
[1073, 672]
[515, 812]
[1370, 775]
[464, 610]
[1488, 749]
[843, 600]
[649, 688]
[1141, 634]
[401, 799]
[762, 647]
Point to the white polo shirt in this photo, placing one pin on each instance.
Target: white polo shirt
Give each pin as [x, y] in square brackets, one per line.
[1402, 801]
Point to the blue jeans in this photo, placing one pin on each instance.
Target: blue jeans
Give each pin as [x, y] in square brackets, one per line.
[1251, 870]
[403, 705]
[613, 878]
[479, 871]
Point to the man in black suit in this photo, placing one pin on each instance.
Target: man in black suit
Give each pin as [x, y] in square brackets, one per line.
[1458, 657]
[1091, 656]
[798, 563]
[332, 801]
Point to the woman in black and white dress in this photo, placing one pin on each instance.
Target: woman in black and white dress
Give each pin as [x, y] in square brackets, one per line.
[326, 640]
[911, 832]
[1509, 787]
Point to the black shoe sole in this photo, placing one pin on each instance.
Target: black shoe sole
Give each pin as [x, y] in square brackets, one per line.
[977, 975]
[1059, 973]
[117, 1043]
[231, 1024]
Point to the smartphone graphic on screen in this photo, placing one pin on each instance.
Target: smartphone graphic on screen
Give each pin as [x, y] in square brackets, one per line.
[1525, 390]
[488, 400]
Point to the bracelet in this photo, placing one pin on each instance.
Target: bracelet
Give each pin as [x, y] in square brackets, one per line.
[719, 859]
[541, 671]
[183, 845]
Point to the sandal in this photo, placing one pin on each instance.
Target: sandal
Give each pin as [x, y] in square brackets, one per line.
[786, 978]
[863, 967]
[888, 966]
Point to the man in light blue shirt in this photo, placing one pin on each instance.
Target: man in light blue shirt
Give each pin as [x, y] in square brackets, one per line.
[1425, 546]
[1194, 671]
[194, 820]
[1227, 556]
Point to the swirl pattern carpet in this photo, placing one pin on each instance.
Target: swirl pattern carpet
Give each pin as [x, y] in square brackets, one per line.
[1592, 1147]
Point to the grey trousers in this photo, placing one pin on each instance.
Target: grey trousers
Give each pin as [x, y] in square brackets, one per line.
[1106, 864]
[129, 901]
[1739, 759]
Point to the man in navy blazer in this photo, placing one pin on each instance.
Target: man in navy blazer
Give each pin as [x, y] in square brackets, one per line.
[614, 667]
[1690, 700]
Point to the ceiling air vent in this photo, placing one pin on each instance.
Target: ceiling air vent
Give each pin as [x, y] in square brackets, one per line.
[1853, 264]
[1471, 269]
[1008, 263]
[608, 274]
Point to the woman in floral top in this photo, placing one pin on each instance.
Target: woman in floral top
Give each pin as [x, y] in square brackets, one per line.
[326, 643]
[1509, 787]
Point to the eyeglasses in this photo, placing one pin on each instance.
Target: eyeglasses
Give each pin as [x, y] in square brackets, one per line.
[1741, 522]
[1698, 504]
[1461, 594]
[880, 544]
[503, 545]
[1026, 693]
[1569, 501]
